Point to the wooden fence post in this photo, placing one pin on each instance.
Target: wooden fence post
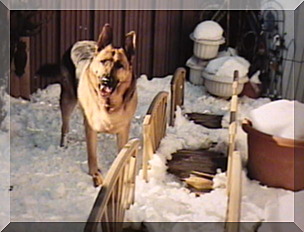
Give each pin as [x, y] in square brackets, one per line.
[20, 85]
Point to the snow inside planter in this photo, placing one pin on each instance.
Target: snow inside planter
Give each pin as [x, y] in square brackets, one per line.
[207, 38]
[221, 87]
[275, 161]
[218, 75]
[276, 145]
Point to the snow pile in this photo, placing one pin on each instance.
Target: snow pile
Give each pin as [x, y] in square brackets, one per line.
[208, 30]
[4, 179]
[224, 67]
[4, 159]
[165, 199]
[196, 63]
[54, 183]
[278, 118]
[228, 52]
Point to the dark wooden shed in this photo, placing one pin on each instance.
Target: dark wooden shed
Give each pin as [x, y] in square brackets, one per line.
[162, 40]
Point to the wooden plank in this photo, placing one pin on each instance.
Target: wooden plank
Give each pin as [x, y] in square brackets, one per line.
[177, 92]
[44, 47]
[145, 42]
[38, 53]
[190, 18]
[132, 176]
[174, 39]
[232, 127]
[132, 24]
[235, 195]
[147, 147]
[14, 83]
[75, 26]
[160, 44]
[25, 86]
[115, 19]
[143, 29]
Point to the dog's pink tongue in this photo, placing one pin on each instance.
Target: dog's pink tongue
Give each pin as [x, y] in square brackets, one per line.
[105, 90]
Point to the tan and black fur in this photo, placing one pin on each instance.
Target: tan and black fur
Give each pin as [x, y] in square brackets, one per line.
[106, 91]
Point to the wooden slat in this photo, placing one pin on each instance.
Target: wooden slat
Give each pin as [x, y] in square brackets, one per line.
[189, 21]
[114, 186]
[132, 176]
[25, 87]
[235, 195]
[160, 44]
[147, 149]
[154, 127]
[177, 92]
[143, 29]
[174, 39]
[115, 19]
[232, 126]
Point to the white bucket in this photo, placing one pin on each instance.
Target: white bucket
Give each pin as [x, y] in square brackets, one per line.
[220, 86]
[206, 49]
[196, 67]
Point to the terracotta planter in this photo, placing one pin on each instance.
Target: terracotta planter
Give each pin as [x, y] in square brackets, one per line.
[274, 161]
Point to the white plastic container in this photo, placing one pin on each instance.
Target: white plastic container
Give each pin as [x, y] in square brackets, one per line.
[221, 86]
[206, 49]
[196, 67]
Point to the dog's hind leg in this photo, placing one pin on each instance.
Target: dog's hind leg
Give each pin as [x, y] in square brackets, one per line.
[67, 106]
[91, 139]
[68, 101]
[122, 137]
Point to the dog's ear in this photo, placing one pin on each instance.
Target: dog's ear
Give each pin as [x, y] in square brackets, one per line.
[105, 37]
[130, 41]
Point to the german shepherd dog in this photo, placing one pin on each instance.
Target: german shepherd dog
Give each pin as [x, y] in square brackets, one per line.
[106, 91]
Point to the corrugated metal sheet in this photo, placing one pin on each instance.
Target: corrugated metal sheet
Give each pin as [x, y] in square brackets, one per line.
[115, 19]
[163, 42]
[162, 37]
[44, 46]
[144, 36]
[74, 26]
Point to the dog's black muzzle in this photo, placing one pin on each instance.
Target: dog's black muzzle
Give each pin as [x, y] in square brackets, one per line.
[107, 85]
[109, 82]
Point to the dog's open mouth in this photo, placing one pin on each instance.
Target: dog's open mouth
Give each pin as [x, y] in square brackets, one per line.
[105, 90]
[107, 86]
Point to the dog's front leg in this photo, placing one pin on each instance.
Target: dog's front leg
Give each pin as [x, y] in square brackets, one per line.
[122, 137]
[91, 139]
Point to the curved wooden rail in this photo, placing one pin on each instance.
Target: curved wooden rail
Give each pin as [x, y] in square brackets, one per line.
[154, 128]
[177, 92]
[117, 192]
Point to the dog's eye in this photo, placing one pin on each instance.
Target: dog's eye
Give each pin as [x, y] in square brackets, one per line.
[118, 65]
[105, 62]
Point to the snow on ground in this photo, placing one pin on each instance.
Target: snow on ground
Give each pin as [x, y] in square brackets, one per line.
[4, 164]
[50, 183]
[167, 200]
